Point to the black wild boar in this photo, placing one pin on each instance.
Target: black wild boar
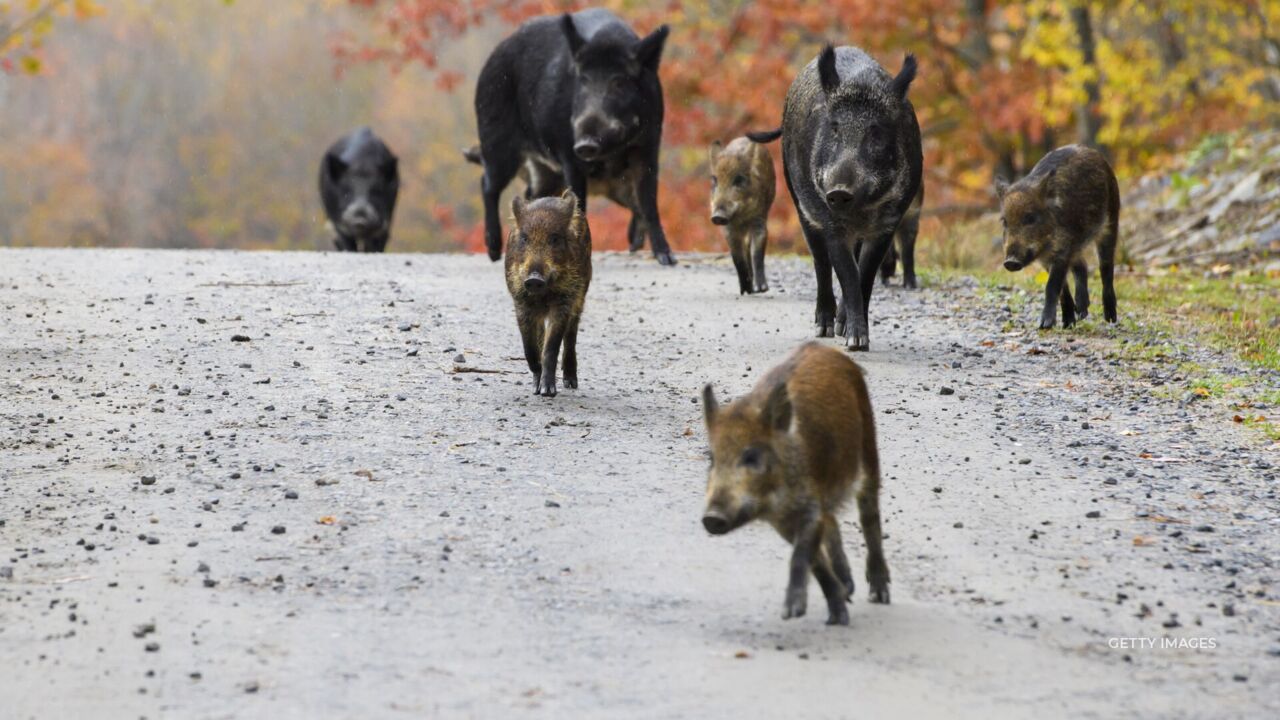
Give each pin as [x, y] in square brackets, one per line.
[548, 270]
[906, 247]
[359, 181]
[851, 157]
[791, 452]
[1069, 201]
[742, 189]
[575, 100]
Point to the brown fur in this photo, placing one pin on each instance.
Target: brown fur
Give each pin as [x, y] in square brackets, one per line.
[551, 243]
[742, 190]
[790, 453]
[1069, 201]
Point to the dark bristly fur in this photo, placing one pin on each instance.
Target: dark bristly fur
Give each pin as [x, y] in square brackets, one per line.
[574, 101]
[548, 270]
[791, 453]
[742, 189]
[1069, 201]
[359, 181]
[852, 160]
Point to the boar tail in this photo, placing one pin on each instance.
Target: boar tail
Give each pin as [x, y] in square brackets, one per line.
[764, 136]
[472, 155]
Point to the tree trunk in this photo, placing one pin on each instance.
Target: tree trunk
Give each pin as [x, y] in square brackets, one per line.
[1087, 120]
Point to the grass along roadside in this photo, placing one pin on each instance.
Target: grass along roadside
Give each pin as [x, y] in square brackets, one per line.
[1164, 318]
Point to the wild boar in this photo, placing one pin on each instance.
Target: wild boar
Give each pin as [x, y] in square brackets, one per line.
[742, 189]
[791, 453]
[575, 96]
[548, 270]
[359, 181]
[906, 246]
[1069, 201]
[851, 157]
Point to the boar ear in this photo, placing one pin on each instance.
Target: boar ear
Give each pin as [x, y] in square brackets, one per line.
[571, 34]
[827, 73]
[391, 168]
[900, 84]
[777, 409]
[648, 51]
[714, 153]
[334, 165]
[517, 208]
[1001, 186]
[709, 405]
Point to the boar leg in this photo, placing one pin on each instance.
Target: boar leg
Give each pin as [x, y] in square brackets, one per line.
[907, 231]
[571, 352]
[832, 589]
[759, 240]
[1080, 272]
[377, 244]
[869, 519]
[344, 244]
[1106, 268]
[1068, 307]
[834, 547]
[741, 263]
[635, 233]
[854, 327]
[889, 264]
[824, 317]
[1052, 293]
[870, 256]
[802, 557]
[499, 169]
[557, 323]
[648, 193]
[531, 331]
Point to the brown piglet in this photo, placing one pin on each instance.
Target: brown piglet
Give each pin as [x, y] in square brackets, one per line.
[1068, 202]
[791, 452]
[742, 189]
[548, 268]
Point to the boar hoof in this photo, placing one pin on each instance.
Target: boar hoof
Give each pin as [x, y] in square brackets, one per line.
[857, 343]
[571, 382]
[880, 594]
[546, 387]
[665, 258]
[909, 283]
[797, 599]
[838, 615]
[762, 288]
[1046, 324]
[823, 330]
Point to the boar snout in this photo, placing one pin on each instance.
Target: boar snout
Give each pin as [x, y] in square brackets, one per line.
[1013, 264]
[715, 522]
[535, 282]
[720, 215]
[587, 148]
[840, 197]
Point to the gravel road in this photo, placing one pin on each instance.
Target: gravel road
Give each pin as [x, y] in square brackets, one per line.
[302, 485]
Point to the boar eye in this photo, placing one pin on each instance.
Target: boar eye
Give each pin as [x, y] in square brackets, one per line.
[1030, 219]
[617, 83]
[752, 458]
[714, 181]
[521, 238]
[835, 124]
[740, 180]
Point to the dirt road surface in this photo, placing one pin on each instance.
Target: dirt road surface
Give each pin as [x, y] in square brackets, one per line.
[252, 485]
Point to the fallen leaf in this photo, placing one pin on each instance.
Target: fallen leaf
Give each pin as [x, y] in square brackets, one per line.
[1202, 392]
[987, 343]
[742, 654]
[327, 520]
[366, 474]
[688, 431]
[1140, 541]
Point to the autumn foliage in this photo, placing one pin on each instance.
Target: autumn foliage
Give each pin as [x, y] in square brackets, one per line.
[1000, 82]
[200, 124]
